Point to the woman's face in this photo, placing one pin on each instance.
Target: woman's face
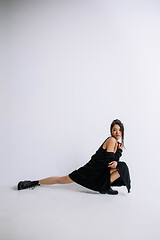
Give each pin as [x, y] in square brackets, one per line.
[116, 132]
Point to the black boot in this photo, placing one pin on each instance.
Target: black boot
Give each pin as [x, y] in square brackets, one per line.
[109, 191]
[27, 184]
[106, 188]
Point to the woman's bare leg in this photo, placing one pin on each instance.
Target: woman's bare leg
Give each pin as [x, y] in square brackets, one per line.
[112, 170]
[114, 175]
[56, 180]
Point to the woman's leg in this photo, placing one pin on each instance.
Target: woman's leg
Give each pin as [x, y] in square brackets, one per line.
[112, 170]
[114, 174]
[51, 180]
[56, 180]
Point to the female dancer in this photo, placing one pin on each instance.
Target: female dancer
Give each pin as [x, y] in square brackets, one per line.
[102, 171]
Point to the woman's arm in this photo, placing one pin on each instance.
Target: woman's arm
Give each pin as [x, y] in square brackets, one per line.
[110, 144]
[111, 157]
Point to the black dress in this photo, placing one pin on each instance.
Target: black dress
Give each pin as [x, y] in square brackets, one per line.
[95, 174]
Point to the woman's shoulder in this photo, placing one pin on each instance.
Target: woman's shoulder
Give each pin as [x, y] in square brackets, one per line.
[113, 139]
[109, 140]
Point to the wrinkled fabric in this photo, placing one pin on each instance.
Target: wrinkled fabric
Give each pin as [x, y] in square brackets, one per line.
[95, 174]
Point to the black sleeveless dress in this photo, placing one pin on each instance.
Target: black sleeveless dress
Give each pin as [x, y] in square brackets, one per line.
[95, 174]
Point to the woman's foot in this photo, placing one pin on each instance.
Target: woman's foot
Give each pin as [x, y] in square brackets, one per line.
[27, 184]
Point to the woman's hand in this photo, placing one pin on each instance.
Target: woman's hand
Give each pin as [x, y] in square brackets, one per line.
[112, 164]
[120, 146]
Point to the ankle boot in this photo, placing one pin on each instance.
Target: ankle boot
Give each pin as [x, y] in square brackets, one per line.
[109, 191]
[27, 184]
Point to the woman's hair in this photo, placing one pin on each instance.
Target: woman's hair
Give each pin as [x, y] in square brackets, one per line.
[117, 121]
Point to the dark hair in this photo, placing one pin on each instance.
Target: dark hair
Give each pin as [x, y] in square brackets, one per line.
[117, 121]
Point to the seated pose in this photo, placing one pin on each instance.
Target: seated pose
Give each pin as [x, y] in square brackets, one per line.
[102, 171]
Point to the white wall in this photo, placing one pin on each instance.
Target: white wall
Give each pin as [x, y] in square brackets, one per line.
[68, 69]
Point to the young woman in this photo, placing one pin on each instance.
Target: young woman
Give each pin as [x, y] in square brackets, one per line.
[102, 171]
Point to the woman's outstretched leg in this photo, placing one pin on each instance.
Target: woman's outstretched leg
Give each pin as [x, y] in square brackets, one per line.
[56, 180]
[46, 181]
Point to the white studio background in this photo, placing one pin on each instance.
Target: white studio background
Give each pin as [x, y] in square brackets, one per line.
[68, 68]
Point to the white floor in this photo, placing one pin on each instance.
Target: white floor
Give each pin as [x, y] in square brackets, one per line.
[71, 211]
